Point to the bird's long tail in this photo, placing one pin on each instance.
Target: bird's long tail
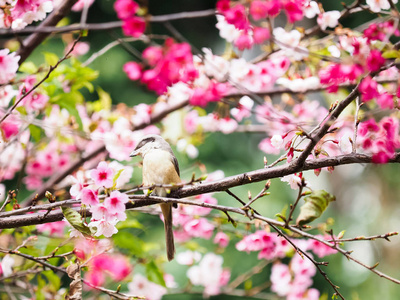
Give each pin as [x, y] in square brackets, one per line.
[166, 209]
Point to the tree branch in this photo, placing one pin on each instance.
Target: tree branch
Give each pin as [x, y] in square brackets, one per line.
[37, 37]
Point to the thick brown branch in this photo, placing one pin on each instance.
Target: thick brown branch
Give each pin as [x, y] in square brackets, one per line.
[207, 187]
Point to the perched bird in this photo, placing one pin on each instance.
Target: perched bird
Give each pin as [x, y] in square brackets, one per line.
[160, 166]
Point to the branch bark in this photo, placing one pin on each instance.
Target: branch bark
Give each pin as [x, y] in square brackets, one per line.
[7, 221]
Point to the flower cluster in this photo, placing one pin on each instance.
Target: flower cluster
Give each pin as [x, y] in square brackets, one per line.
[106, 214]
[381, 139]
[168, 64]
[116, 266]
[132, 24]
[295, 279]
[18, 14]
[210, 274]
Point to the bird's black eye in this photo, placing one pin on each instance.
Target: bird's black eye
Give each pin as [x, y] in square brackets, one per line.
[144, 142]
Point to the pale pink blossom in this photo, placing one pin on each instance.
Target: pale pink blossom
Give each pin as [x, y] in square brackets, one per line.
[78, 6]
[293, 180]
[53, 229]
[198, 210]
[8, 65]
[280, 279]
[102, 175]
[104, 227]
[311, 9]
[209, 273]
[80, 48]
[125, 173]
[140, 286]
[89, 197]
[377, 5]
[328, 19]
[277, 141]
[320, 249]
[222, 239]
[116, 202]
[227, 125]
[243, 109]
[199, 228]
[6, 266]
[188, 257]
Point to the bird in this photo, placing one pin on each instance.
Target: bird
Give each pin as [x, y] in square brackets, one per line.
[160, 166]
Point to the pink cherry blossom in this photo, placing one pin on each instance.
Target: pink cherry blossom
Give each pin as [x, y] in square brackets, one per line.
[237, 16]
[134, 26]
[280, 279]
[294, 11]
[199, 228]
[89, 197]
[368, 89]
[78, 6]
[320, 249]
[261, 34]
[116, 202]
[222, 239]
[375, 60]
[133, 70]
[152, 55]
[8, 65]
[125, 8]
[259, 9]
[53, 229]
[102, 175]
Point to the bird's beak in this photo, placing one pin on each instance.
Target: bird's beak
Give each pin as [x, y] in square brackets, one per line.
[134, 153]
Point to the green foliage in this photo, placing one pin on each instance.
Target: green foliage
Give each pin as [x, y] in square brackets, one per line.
[154, 273]
[127, 241]
[315, 205]
[36, 132]
[75, 219]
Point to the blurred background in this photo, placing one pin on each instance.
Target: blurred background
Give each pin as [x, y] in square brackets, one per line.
[367, 195]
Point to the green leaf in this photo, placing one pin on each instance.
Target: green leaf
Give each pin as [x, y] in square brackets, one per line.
[69, 102]
[391, 54]
[315, 205]
[154, 274]
[41, 283]
[50, 58]
[53, 279]
[130, 242]
[75, 219]
[129, 223]
[28, 67]
[116, 176]
[36, 132]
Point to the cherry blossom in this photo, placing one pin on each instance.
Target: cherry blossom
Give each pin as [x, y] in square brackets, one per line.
[8, 65]
[102, 175]
[89, 197]
[116, 202]
[328, 19]
[145, 288]
[209, 273]
[222, 239]
[6, 266]
[378, 5]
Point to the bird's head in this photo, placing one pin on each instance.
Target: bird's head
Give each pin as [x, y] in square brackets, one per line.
[148, 143]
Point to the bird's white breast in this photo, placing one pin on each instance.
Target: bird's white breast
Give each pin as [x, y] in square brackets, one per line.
[158, 168]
